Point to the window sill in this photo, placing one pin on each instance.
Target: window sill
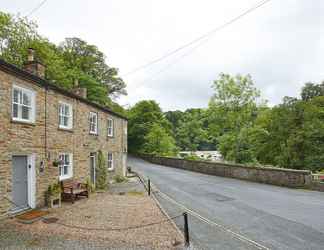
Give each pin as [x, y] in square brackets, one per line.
[65, 129]
[93, 133]
[25, 122]
[62, 178]
[110, 170]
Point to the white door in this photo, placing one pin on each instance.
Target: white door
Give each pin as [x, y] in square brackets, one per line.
[19, 183]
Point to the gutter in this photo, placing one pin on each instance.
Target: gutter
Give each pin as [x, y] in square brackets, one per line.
[12, 69]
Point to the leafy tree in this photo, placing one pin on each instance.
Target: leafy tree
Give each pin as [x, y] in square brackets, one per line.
[190, 129]
[72, 59]
[314, 134]
[159, 142]
[311, 90]
[233, 108]
[142, 117]
[79, 56]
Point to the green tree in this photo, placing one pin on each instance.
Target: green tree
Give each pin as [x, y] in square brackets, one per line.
[142, 117]
[73, 59]
[232, 108]
[311, 90]
[79, 56]
[159, 142]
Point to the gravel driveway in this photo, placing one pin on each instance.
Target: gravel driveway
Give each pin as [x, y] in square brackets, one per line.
[86, 225]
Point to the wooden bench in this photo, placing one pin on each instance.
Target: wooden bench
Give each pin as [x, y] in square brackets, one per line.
[73, 189]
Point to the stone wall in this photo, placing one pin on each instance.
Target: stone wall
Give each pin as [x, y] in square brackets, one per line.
[275, 176]
[46, 140]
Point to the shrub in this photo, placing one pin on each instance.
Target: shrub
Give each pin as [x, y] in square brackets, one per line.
[101, 170]
[119, 178]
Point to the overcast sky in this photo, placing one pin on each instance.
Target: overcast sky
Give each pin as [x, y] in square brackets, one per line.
[281, 44]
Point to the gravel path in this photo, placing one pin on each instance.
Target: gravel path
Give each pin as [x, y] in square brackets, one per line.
[102, 211]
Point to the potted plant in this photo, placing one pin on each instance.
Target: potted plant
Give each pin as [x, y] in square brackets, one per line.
[56, 163]
[53, 195]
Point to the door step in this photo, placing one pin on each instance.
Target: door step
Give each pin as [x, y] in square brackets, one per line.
[31, 216]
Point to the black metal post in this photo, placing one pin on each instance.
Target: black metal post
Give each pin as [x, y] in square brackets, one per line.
[149, 187]
[186, 229]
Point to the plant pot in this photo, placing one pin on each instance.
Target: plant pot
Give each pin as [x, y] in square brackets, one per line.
[54, 201]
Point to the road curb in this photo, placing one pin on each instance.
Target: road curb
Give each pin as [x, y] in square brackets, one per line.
[142, 179]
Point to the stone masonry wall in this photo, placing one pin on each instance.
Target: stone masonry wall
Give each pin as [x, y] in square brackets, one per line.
[274, 176]
[22, 139]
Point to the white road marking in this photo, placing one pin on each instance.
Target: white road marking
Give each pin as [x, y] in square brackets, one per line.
[212, 223]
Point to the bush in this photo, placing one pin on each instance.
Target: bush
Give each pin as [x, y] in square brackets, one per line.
[119, 178]
[101, 177]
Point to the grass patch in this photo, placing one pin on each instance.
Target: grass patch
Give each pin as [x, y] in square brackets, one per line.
[135, 193]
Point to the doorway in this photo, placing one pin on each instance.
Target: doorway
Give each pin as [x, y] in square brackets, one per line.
[23, 182]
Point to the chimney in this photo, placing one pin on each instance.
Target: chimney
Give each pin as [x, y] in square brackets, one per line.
[33, 66]
[82, 92]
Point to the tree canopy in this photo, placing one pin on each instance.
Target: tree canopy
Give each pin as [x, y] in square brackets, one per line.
[72, 59]
[240, 125]
[149, 130]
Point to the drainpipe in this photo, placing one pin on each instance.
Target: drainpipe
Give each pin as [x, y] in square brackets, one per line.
[45, 127]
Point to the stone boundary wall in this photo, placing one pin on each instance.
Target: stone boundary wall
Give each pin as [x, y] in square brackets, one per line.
[275, 176]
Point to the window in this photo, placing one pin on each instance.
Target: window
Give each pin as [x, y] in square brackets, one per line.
[23, 104]
[93, 123]
[110, 127]
[65, 167]
[110, 161]
[65, 115]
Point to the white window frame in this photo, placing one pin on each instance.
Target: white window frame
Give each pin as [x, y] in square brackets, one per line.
[70, 116]
[91, 115]
[110, 129]
[32, 105]
[69, 166]
[110, 166]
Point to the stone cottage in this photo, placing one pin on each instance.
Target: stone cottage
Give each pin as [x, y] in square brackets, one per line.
[48, 134]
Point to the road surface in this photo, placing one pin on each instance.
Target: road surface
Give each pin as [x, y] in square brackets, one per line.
[264, 216]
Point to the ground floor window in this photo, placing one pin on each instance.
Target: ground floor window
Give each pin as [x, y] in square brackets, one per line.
[110, 161]
[65, 167]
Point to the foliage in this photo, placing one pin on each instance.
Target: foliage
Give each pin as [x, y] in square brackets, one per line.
[241, 126]
[311, 90]
[72, 59]
[142, 117]
[159, 142]
[54, 189]
[231, 115]
[101, 171]
[119, 178]
[190, 129]
[192, 157]
[91, 187]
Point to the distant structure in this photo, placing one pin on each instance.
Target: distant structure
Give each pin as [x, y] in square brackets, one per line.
[206, 155]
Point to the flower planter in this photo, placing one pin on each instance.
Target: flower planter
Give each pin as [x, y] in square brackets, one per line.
[54, 201]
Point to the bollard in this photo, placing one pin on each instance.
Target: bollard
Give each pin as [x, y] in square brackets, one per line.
[186, 229]
[149, 187]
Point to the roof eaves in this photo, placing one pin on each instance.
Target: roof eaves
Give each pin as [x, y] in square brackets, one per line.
[12, 69]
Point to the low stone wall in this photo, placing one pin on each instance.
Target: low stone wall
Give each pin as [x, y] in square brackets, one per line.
[275, 176]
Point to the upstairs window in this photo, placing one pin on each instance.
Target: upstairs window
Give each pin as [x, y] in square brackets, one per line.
[65, 116]
[110, 127]
[65, 167]
[93, 123]
[23, 104]
[110, 161]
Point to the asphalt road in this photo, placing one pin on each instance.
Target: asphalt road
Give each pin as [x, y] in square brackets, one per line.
[273, 217]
